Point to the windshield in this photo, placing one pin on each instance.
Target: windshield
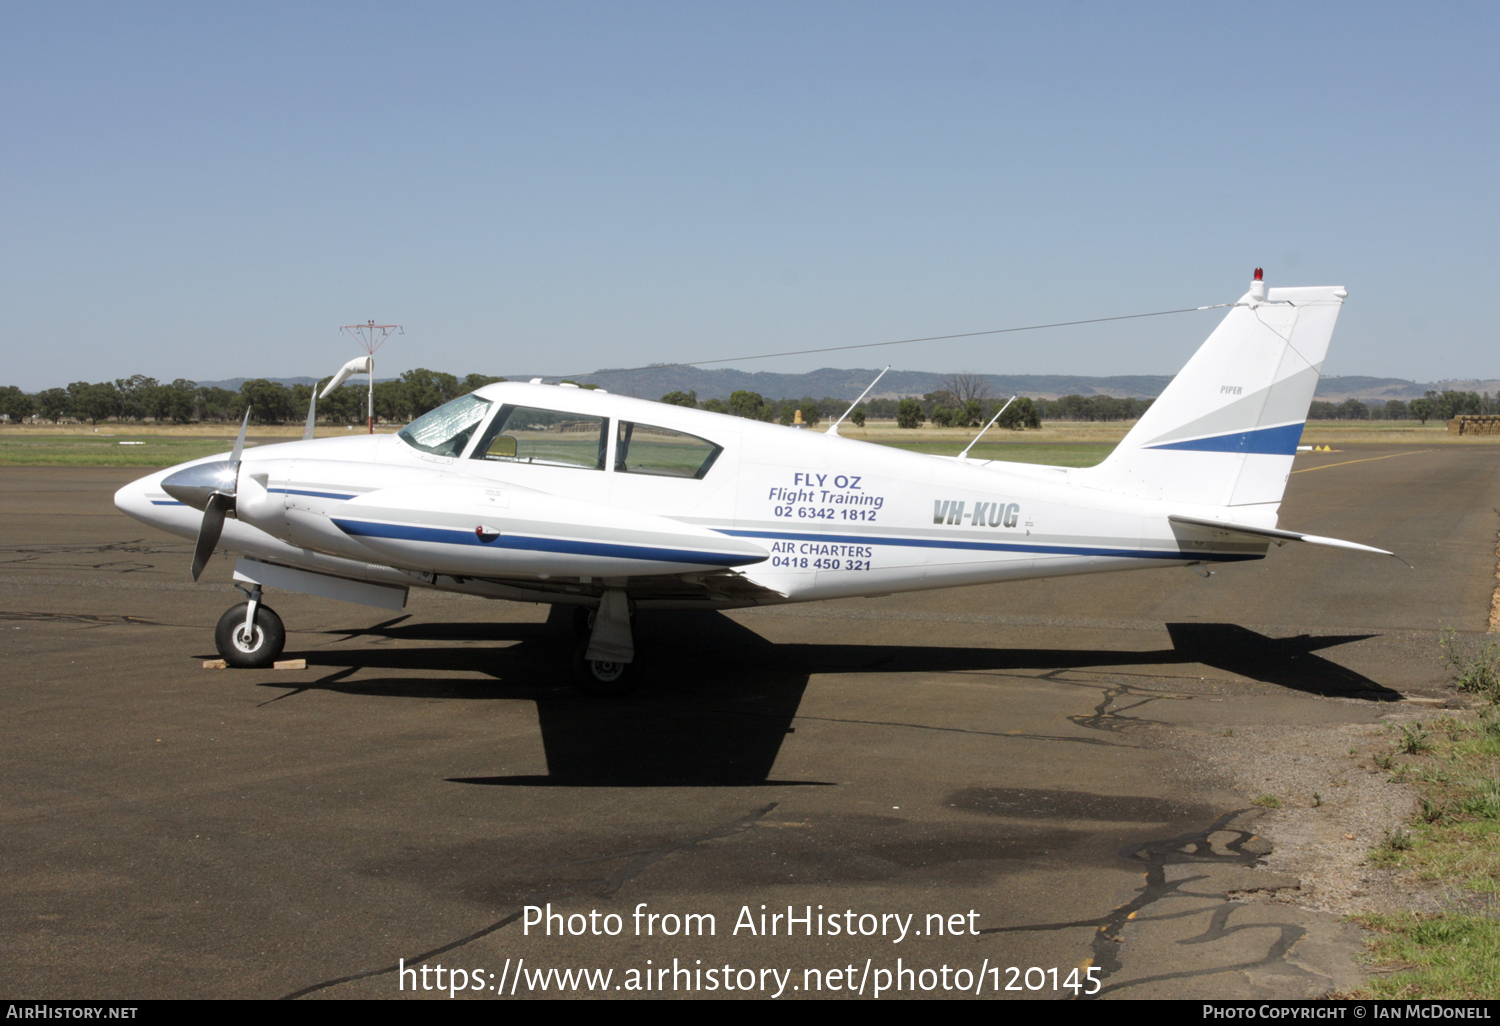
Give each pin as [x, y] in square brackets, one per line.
[446, 430]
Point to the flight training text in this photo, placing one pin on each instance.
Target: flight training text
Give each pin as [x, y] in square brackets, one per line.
[814, 496]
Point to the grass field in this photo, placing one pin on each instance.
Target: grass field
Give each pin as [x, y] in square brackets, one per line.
[1056, 455]
[1392, 432]
[147, 446]
[1455, 763]
[97, 451]
[1064, 444]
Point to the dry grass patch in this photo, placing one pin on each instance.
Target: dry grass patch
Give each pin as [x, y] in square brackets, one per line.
[1387, 432]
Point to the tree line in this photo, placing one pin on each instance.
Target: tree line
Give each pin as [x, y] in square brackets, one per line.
[1440, 406]
[140, 398]
[946, 407]
[939, 407]
[965, 400]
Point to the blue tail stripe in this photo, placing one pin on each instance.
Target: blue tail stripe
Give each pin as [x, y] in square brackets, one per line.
[1271, 441]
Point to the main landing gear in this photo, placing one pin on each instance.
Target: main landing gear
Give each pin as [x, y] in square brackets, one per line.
[250, 636]
[604, 662]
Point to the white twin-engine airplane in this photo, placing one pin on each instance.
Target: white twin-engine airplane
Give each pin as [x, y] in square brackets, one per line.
[541, 493]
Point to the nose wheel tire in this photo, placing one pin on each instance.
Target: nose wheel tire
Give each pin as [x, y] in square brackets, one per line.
[603, 679]
[253, 649]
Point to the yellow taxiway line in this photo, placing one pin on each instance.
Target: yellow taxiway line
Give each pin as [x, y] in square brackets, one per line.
[1367, 459]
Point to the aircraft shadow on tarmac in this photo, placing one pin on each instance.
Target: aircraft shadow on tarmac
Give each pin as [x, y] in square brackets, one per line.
[720, 699]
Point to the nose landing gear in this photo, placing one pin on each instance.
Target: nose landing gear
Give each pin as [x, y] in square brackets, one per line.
[250, 636]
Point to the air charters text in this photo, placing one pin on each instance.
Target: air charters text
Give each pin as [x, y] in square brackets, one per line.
[794, 922]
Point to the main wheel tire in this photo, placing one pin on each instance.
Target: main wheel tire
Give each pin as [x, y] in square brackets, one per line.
[583, 620]
[603, 679]
[252, 650]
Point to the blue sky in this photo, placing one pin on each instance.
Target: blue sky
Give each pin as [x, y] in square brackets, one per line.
[210, 190]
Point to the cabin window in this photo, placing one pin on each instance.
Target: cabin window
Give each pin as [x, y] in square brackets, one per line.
[446, 430]
[646, 449]
[549, 438]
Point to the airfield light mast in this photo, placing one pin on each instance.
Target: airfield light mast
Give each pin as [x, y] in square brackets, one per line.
[371, 336]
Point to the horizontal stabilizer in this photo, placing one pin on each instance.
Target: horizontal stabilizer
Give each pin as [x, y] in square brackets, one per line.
[1277, 535]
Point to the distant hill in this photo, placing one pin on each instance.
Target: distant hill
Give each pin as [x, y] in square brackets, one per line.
[233, 384]
[847, 384]
[1357, 386]
[1353, 386]
[834, 383]
[654, 382]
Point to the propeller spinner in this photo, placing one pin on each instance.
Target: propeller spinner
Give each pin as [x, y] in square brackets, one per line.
[211, 487]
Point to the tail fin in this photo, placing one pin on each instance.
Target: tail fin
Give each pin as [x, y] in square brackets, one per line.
[1225, 430]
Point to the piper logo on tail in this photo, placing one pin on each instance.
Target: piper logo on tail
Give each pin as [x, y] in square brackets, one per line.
[991, 514]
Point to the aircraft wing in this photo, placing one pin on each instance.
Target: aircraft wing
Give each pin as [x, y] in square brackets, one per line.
[1275, 534]
[714, 585]
[696, 590]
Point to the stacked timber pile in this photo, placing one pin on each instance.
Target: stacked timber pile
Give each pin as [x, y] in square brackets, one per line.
[1472, 425]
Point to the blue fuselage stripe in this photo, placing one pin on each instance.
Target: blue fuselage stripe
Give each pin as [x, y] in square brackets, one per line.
[1271, 441]
[304, 491]
[570, 546]
[981, 546]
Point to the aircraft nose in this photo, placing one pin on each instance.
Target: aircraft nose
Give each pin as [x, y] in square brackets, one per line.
[192, 486]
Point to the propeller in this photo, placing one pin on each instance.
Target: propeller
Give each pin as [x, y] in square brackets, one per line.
[210, 487]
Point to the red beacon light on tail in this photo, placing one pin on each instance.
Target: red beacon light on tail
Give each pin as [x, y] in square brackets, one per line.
[1258, 288]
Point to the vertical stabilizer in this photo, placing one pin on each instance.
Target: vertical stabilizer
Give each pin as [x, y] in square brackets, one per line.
[1225, 430]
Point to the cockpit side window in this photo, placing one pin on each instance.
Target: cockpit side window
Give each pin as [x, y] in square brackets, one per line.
[446, 430]
[662, 452]
[550, 438]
